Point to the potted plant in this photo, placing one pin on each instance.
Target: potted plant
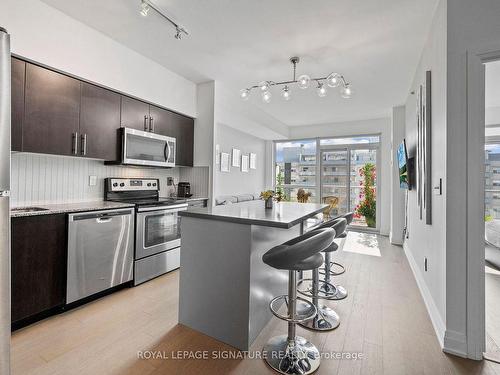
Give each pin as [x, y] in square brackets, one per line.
[269, 196]
[367, 207]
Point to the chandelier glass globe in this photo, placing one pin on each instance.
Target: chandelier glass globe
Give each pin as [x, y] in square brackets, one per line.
[244, 94]
[303, 81]
[333, 80]
[285, 93]
[346, 92]
[321, 90]
[266, 96]
[264, 86]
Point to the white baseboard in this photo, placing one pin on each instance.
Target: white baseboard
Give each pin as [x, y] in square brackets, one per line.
[455, 343]
[437, 321]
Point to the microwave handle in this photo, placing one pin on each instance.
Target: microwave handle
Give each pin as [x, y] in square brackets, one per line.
[167, 147]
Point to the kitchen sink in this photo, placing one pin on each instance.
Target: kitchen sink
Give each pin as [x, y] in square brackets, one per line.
[28, 209]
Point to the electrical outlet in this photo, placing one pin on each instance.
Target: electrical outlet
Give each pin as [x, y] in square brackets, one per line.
[170, 181]
[425, 264]
[92, 180]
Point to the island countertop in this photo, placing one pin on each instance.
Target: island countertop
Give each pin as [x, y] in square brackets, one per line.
[282, 215]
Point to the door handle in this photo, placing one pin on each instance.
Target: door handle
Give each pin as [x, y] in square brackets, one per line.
[151, 124]
[83, 145]
[146, 123]
[74, 143]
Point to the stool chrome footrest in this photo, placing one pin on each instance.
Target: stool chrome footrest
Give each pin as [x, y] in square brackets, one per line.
[341, 269]
[297, 356]
[324, 292]
[308, 311]
[326, 319]
[336, 293]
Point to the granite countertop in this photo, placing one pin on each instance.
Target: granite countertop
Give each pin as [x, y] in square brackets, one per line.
[69, 207]
[283, 215]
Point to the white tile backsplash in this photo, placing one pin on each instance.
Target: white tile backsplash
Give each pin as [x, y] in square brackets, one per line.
[198, 177]
[48, 179]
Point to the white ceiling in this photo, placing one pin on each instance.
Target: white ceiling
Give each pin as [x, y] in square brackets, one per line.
[376, 44]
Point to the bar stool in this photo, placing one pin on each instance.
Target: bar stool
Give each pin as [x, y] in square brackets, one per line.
[348, 216]
[325, 285]
[292, 354]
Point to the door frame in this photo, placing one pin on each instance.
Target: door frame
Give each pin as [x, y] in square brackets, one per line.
[475, 120]
[348, 148]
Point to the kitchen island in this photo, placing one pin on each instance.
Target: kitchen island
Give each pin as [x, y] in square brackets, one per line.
[225, 288]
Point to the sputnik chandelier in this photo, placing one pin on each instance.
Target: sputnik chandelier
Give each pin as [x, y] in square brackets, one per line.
[335, 80]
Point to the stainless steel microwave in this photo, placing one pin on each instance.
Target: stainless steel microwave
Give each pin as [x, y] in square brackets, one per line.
[148, 149]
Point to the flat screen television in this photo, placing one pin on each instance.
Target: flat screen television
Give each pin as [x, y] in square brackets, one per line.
[403, 165]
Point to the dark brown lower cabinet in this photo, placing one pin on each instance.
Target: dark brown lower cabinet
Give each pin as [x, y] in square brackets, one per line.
[38, 260]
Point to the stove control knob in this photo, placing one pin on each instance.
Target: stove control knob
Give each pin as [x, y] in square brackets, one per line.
[149, 183]
[154, 183]
[122, 184]
[115, 184]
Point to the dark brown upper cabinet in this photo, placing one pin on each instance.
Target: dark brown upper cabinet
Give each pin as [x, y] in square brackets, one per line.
[52, 111]
[177, 126]
[184, 128]
[18, 69]
[135, 114]
[99, 123]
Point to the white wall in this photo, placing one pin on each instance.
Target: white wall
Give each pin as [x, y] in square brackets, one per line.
[472, 26]
[46, 35]
[238, 182]
[376, 126]
[429, 241]
[398, 121]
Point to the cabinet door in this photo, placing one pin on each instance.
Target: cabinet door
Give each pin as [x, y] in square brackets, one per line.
[18, 71]
[162, 121]
[134, 114]
[184, 128]
[38, 263]
[99, 123]
[52, 110]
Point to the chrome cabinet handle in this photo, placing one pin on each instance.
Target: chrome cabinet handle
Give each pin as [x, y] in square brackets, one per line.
[83, 145]
[151, 124]
[145, 123]
[74, 144]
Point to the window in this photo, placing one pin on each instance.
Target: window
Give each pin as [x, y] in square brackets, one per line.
[295, 168]
[331, 168]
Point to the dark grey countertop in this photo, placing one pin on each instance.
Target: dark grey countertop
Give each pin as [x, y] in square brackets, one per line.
[282, 215]
[70, 207]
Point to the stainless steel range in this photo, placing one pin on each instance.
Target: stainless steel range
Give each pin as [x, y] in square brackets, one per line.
[157, 225]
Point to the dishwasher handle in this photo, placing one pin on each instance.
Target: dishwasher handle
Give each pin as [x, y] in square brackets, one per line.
[101, 216]
[102, 220]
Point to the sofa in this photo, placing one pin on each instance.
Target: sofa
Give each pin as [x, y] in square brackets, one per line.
[233, 199]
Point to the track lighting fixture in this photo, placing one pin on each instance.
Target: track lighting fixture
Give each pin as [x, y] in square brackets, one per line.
[146, 5]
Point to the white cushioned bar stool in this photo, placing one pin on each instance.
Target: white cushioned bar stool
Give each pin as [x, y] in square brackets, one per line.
[292, 354]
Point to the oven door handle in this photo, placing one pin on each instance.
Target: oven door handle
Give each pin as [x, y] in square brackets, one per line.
[169, 209]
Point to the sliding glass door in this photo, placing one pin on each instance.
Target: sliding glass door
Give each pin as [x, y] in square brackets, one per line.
[340, 171]
[348, 174]
[334, 180]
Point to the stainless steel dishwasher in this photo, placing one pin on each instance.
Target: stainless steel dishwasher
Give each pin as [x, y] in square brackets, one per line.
[100, 251]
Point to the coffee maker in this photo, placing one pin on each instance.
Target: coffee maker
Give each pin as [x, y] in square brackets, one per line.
[184, 190]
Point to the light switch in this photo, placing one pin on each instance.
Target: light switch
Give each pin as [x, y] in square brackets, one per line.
[92, 180]
[438, 189]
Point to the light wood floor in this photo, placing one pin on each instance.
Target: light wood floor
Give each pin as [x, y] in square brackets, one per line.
[384, 317]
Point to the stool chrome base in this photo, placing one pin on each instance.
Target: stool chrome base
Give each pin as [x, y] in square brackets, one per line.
[297, 356]
[335, 294]
[341, 269]
[325, 320]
